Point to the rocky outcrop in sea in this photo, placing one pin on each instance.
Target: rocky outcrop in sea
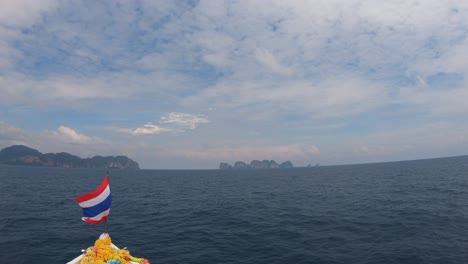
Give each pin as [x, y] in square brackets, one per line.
[256, 164]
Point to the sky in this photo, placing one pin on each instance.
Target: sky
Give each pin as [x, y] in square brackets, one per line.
[190, 84]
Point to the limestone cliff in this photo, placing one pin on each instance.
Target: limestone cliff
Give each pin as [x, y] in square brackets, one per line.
[256, 164]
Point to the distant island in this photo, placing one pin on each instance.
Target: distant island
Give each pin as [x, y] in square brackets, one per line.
[256, 164]
[26, 156]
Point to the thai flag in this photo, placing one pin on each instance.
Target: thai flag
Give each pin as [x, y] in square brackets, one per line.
[96, 204]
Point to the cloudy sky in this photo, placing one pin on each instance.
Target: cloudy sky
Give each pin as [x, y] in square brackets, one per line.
[189, 84]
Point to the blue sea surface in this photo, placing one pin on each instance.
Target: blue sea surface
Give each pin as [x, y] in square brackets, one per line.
[398, 212]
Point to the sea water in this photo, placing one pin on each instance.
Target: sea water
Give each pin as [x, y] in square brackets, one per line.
[398, 212]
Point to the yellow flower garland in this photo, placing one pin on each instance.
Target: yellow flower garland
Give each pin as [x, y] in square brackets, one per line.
[103, 252]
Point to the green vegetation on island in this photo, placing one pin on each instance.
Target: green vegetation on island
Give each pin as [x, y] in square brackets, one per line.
[26, 156]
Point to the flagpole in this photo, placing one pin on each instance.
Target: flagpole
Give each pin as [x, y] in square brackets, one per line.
[105, 222]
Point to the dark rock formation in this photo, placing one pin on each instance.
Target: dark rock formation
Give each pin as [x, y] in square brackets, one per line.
[241, 165]
[256, 164]
[273, 164]
[224, 166]
[286, 164]
[25, 156]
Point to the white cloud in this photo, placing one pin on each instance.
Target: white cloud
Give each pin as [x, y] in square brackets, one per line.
[184, 120]
[10, 135]
[13, 16]
[345, 95]
[173, 122]
[313, 40]
[23, 12]
[69, 135]
[267, 59]
[148, 129]
[22, 89]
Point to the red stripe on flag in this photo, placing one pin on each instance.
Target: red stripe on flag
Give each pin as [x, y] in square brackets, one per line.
[94, 222]
[95, 193]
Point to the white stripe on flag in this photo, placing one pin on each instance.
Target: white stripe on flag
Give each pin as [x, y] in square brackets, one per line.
[98, 199]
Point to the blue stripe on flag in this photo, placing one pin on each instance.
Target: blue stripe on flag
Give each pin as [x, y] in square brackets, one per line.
[98, 208]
